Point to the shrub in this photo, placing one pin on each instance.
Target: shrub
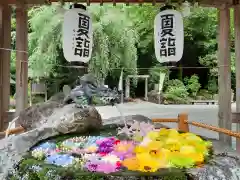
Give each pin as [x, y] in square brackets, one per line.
[176, 92]
[212, 86]
[193, 85]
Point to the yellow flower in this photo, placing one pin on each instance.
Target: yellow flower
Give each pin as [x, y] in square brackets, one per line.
[201, 148]
[192, 137]
[141, 149]
[177, 159]
[131, 163]
[166, 152]
[187, 149]
[163, 132]
[154, 145]
[172, 145]
[149, 164]
[173, 133]
[153, 135]
[197, 157]
[172, 141]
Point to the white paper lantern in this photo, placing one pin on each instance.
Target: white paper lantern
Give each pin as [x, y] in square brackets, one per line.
[169, 36]
[77, 35]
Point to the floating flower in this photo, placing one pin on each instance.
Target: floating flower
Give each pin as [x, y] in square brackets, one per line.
[124, 149]
[147, 152]
[197, 157]
[141, 149]
[187, 149]
[96, 164]
[163, 132]
[149, 164]
[179, 160]
[106, 145]
[131, 163]
[91, 166]
[91, 149]
[60, 160]
[153, 135]
[111, 159]
[38, 154]
[107, 168]
[47, 145]
[146, 140]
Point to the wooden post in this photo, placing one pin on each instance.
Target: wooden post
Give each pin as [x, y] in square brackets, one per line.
[237, 54]
[224, 80]
[5, 58]
[22, 58]
[127, 88]
[146, 89]
[182, 124]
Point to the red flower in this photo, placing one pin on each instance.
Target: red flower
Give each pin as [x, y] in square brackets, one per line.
[117, 142]
[103, 154]
[118, 164]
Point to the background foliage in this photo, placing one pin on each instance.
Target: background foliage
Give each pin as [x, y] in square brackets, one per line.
[123, 38]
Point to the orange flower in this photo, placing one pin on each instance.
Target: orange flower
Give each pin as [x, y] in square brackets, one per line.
[131, 163]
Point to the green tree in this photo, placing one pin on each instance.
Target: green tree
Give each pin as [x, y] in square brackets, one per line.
[114, 41]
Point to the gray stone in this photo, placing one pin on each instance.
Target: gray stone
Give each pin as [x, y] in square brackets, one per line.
[51, 120]
[225, 164]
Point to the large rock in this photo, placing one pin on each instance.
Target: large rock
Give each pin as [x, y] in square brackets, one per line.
[50, 120]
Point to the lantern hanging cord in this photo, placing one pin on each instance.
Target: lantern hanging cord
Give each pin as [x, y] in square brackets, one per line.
[8, 49]
[83, 67]
[120, 68]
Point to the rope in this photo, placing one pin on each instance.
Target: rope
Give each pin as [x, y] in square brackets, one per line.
[213, 128]
[7, 49]
[83, 67]
[10, 125]
[197, 124]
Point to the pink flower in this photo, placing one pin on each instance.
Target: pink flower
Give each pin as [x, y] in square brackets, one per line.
[124, 149]
[107, 168]
[58, 150]
[96, 164]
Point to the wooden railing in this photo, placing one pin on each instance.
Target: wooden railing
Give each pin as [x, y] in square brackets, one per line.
[183, 125]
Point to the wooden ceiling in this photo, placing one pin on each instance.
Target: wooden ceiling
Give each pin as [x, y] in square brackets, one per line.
[201, 2]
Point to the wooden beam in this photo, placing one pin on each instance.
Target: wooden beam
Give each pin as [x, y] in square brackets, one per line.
[237, 64]
[146, 89]
[236, 117]
[224, 80]
[127, 88]
[5, 57]
[213, 3]
[21, 58]
[138, 76]
[1, 69]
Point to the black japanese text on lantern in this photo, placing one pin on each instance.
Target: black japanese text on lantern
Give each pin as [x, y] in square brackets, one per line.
[167, 36]
[82, 39]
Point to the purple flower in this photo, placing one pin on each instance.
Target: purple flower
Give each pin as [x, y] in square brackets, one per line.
[90, 166]
[106, 145]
